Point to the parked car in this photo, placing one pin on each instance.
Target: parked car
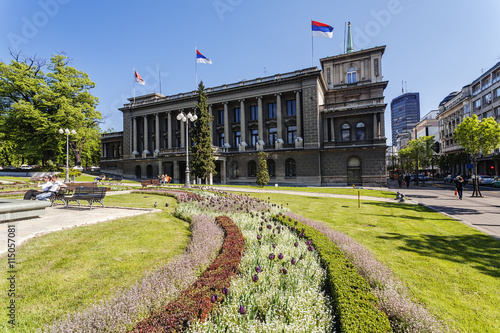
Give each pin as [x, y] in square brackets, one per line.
[449, 178]
[78, 167]
[482, 179]
[496, 183]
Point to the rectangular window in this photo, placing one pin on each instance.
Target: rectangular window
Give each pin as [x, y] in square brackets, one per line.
[271, 108]
[486, 83]
[328, 76]
[254, 137]
[236, 115]
[291, 134]
[221, 140]
[496, 76]
[221, 117]
[291, 108]
[477, 104]
[489, 114]
[496, 93]
[273, 135]
[254, 112]
[237, 138]
[476, 89]
[466, 108]
[487, 99]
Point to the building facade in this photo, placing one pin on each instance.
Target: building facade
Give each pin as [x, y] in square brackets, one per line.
[405, 113]
[482, 98]
[319, 127]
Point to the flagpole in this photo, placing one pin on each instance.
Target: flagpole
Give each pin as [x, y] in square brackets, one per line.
[159, 78]
[312, 48]
[134, 85]
[195, 67]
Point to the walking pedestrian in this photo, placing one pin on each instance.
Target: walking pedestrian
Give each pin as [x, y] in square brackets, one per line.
[400, 181]
[407, 180]
[459, 185]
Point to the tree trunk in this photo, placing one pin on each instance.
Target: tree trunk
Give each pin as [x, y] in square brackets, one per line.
[475, 183]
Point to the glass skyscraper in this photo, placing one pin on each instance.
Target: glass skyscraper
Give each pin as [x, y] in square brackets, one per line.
[405, 114]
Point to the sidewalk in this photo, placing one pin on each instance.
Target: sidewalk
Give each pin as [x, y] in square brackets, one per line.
[481, 213]
[58, 218]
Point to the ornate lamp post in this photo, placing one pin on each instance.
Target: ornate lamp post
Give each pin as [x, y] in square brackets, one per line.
[67, 132]
[186, 119]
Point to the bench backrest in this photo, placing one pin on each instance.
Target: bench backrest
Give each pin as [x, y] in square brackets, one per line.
[97, 192]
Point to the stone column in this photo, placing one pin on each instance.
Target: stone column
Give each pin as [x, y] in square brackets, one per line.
[169, 130]
[326, 124]
[226, 125]
[279, 122]
[243, 124]
[157, 134]
[145, 152]
[375, 127]
[299, 114]
[382, 125]
[176, 175]
[183, 133]
[134, 137]
[260, 144]
[332, 129]
[223, 168]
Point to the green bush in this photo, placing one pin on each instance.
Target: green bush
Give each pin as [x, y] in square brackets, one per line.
[355, 304]
[72, 172]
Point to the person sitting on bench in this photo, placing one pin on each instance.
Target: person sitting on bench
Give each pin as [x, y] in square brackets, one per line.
[56, 185]
[31, 194]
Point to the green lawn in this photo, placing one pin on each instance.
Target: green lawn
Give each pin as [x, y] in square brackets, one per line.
[63, 271]
[452, 268]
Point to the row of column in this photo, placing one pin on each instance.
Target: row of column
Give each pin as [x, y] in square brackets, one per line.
[243, 125]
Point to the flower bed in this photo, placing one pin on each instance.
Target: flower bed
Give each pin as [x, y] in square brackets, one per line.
[197, 301]
[355, 304]
[127, 307]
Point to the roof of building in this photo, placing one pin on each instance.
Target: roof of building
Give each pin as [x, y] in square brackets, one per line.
[449, 97]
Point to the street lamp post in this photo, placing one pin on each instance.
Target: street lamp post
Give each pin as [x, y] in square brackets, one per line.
[67, 132]
[186, 119]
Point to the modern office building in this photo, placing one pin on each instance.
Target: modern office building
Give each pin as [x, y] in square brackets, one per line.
[319, 126]
[405, 114]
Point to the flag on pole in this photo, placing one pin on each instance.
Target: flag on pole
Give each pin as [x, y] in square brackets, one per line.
[201, 59]
[138, 78]
[321, 30]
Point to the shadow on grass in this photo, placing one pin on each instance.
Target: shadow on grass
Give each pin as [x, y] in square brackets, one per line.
[482, 252]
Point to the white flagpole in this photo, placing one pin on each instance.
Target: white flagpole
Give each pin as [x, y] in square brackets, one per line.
[312, 46]
[196, 66]
[134, 85]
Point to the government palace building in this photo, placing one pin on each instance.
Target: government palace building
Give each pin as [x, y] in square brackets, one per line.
[320, 127]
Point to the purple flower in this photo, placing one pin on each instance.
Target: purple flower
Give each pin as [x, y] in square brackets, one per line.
[224, 291]
[296, 244]
[310, 248]
[258, 269]
[283, 271]
[274, 246]
[242, 310]
[293, 261]
[269, 226]
[259, 236]
[280, 256]
[214, 298]
[309, 242]
[255, 278]
[271, 256]
[260, 228]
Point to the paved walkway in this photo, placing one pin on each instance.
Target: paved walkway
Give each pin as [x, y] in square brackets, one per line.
[58, 218]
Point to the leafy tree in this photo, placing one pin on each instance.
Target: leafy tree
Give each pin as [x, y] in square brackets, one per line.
[477, 137]
[34, 105]
[262, 171]
[203, 160]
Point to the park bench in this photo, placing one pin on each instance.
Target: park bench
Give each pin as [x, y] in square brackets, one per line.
[68, 191]
[146, 182]
[89, 194]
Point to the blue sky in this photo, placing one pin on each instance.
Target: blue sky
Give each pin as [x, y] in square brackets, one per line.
[434, 46]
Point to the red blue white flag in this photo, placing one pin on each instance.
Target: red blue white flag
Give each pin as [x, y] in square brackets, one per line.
[201, 59]
[321, 30]
[138, 78]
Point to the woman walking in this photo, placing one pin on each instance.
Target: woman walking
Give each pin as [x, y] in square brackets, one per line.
[459, 185]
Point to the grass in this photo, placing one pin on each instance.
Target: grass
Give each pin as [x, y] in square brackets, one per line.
[63, 271]
[451, 268]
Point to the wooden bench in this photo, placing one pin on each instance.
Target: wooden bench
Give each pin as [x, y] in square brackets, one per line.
[146, 182]
[68, 191]
[89, 194]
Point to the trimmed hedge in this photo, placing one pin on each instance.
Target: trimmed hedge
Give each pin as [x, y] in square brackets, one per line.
[355, 304]
[197, 301]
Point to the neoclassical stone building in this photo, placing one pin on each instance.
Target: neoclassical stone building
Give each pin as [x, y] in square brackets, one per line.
[319, 127]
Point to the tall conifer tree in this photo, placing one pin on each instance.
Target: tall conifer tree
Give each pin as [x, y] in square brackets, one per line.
[203, 160]
[262, 171]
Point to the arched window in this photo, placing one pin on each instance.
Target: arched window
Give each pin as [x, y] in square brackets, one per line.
[360, 132]
[271, 168]
[138, 172]
[354, 171]
[346, 132]
[351, 75]
[252, 169]
[290, 170]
